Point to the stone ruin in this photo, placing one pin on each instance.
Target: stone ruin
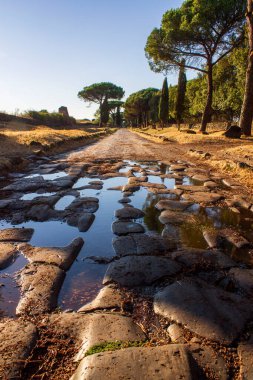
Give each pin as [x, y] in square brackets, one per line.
[64, 111]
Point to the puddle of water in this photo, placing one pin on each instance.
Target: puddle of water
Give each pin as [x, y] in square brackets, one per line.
[84, 279]
[48, 177]
[31, 196]
[64, 202]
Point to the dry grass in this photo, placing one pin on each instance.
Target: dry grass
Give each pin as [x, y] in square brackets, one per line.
[14, 141]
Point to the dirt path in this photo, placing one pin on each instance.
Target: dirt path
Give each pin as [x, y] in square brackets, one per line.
[127, 145]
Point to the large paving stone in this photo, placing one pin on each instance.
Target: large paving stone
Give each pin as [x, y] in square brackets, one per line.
[27, 184]
[125, 228]
[172, 205]
[193, 257]
[192, 188]
[243, 279]
[170, 362]
[245, 353]
[202, 197]
[108, 298]
[40, 286]
[85, 221]
[17, 341]
[62, 257]
[175, 217]
[8, 253]
[89, 330]
[142, 244]
[138, 271]
[233, 237]
[203, 309]
[129, 213]
[16, 234]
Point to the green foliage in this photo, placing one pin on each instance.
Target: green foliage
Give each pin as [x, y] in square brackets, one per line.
[97, 92]
[164, 103]
[113, 346]
[50, 118]
[138, 106]
[200, 32]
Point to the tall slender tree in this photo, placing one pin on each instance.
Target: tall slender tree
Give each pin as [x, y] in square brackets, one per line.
[164, 104]
[104, 112]
[247, 107]
[181, 90]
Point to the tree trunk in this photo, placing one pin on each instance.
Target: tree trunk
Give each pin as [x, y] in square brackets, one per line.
[247, 107]
[206, 118]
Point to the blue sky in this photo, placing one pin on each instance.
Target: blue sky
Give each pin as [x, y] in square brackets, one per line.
[51, 49]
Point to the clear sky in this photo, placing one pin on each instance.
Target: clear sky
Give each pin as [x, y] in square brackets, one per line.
[51, 49]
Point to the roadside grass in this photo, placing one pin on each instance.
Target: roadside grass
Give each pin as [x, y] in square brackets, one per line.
[114, 346]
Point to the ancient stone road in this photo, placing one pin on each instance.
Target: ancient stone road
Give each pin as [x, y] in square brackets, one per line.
[176, 301]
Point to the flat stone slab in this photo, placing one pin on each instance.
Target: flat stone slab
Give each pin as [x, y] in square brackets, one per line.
[40, 286]
[175, 217]
[193, 257]
[108, 298]
[89, 330]
[170, 362]
[129, 213]
[201, 178]
[243, 279]
[139, 271]
[245, 353]
[137, 179]
[202, 197]
[192, 188]
[18, 338]
[125, 228]
[172, 205]
[16, 234]
[62, 257]
[85, 221]
[177, 168]
[141, 244]
[204, 309]
[233, 237]
[8, 252]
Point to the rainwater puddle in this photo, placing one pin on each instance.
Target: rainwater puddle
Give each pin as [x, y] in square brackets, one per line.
[31, 196]
[84, 278]
[64, 202]
[48, 177]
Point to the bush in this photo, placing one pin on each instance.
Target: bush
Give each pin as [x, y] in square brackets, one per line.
[50, 118]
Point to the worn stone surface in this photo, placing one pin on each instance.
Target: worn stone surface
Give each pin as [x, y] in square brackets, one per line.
[172, 205]
[125, 228]
[40, 286]
[177, 167]
[41, 213]
[170, 362]
[129, 213]
[233, 237]
[203, 309]
[141, 244]
[139, 271]
[192, 188]
[85, 221]
[201, 178]
[192, 257]
[8, 252]
[176, 218]
[108, 298]
[202, 197]
[17, 341]
[245, 353]
[89, 330]
[211, 184]
[176, 333]
[62, 257]
[16, 234]
[243, 279]
[212, 238]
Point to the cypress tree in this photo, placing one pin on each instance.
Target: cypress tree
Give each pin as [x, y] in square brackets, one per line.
[181, 90]
[164, 104]
[118, 117]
